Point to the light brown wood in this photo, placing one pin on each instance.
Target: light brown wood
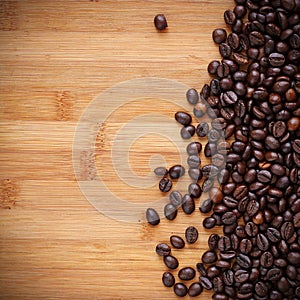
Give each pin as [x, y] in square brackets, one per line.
[56, 57]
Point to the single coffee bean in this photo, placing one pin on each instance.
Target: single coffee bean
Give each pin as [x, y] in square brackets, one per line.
[287, 230]
[175, 198]
[176, 171]
[187, 273]
[229, 218]
[188, 204]
[191, 234]
[161, 171]
[171, 262]
[212, 67]
[241, 276]
[163, 249]
[177, 242]
[192, 96]
[202, 129]
[219, 35]
[194, 161]
[244, 261]
[206, 206]
[170, 211]
[180, 289]
[224, 243]
[165, 185]
[160, 22]
[195, 190]
[276, 59]
[261, 289]
[168, 279]
[274, 274]
[195, 174]
[266, 259]
[262, 242]
[225, 50]
[195, 289]
[229, 17]
[209, 222]
[251, 229]
[183, 118]
[152, 216]
[209, 257]
[245, 246]
[206, 283]
[194, 148]
[187, 132]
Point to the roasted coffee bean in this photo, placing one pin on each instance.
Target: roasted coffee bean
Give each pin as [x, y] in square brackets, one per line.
[225, 50]
[170, 211]
[195, 289]
[163, 249]
[191, 234]
[245, 246]
[180, 289]
[209, 222]
[188, 204]
[210, 170]
[287, 230]
[212, 67]
[152, 216]
[183, 118]
[218, 160]
[209, 257]
[161, 171]
[228, 218]
[168, 279]
[241, 276]
[256, 39]
[210, 149]
[194, 161]
[251, 229]
[195, 190]
[266, 259]
[205, 282]
[187, 273]
[207, 184]
[261, 289]
[224, 243]
[264, 176]
[187, 132]
[223, 70]
[229, 17]
[202, 129]
[160, 22]
[192, 96]
[165, 185]
[175, 198]
[194, 148]
[171, 262]
[176, 171]
[229, 97]
[177, 242]
[219, 35]
[206, 206]
[195, 174]
[274, 274]
[262, 242]
[244, 261]
[276, 59]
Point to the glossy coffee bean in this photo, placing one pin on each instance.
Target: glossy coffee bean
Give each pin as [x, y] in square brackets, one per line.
[176, 171]
[180, 289]
[177, 242]
[192, 96]
[165, 185]
[187, 132]
[187, 273]
[168, 279]
[171, 262]
[152, 216]
[191, 234]
[161, 171]
[160, 22]
[219, 35]
[183, 118]
[163, 249]
[195, 289]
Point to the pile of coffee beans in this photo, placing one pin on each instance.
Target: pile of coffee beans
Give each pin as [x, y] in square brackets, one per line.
[253, 180]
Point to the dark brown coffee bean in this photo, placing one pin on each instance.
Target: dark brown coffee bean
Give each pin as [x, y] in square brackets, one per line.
[273, 234]
[262, 242]
[274, 274]
[261, 289]
[168, 279]
[163, 249]
[187, 273]
[241, 276]
[229, 218]
[224, 243]
[170, 211]
[256, 39]
[296, 145]
[171, 262]
[195, 289]
[251, 229]
[202, 129]
[252, 208]
[245, 246]
[152, 216]
[192, 96]
[195, 174]
[175, 198]
[194, 190]
[191, 234]
[206, 206]
[223, 70]
[165, 185]
[209, 257]
[225, 50]
[187, 132]
[194, 148]
[188, 204]
[240, 192]
[177, 242]
[194, 161]
[276, 59]
[183, 118]
[160, 22]
[229, 17]
[160, 171]
[219, 35]
[229, 97]
[209, 222]
[180, 289]
[287, 230]
[176, 171]
[205, 282]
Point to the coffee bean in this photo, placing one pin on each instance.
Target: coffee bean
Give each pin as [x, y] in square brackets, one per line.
[188, 204]
[183, 118]
[219, 35]
[171, 262]
[228, 218]
[152, 216]
[241, 276]
[274, 274]
[251, 229]
[160, 22]
[192, 96]
[165, 185]
[207, 184]
[276, 59]
[225, 50]
[160, 171]
[175, 198]
[191, 234]
[195, 174]
[243, 261]
[209, 257]
[195, 289]
[229, 17]
[287, 230]
[266, 259]
[187, 132]
[202, 129]
[187, 273]
[170, 211]
[177, 242]
[194, 148]
[194, 161]
[194, 190]
[261, 289]
[229, 97]
[256, 39]
[245, 246]
[206, 206]
[180, 289]
[168, 279]
[163, 249]
[205, 282]
[176, 171]
[224, 243]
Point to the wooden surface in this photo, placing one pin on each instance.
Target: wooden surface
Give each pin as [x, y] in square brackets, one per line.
[56, 57]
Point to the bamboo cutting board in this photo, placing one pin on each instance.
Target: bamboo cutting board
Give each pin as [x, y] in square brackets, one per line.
[57, 58]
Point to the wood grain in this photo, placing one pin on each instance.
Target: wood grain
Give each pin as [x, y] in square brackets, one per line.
[56, 57]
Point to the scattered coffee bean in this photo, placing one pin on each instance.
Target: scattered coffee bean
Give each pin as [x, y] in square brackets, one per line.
[195, 289]
[177, 242]
[180, 289]
[191, 234]
[170, 211]
[176, 171]
[160, 22]
[168, 279]
[163, 249]
[187, 132]
[192, 96]
[152, 216]
[187, 273]
[183, 118]
[165, 185]
[161, 171]
[171, 262]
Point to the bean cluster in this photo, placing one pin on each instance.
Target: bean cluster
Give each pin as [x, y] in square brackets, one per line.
[253, 141]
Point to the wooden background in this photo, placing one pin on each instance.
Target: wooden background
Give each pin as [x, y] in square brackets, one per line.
[55, 58]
